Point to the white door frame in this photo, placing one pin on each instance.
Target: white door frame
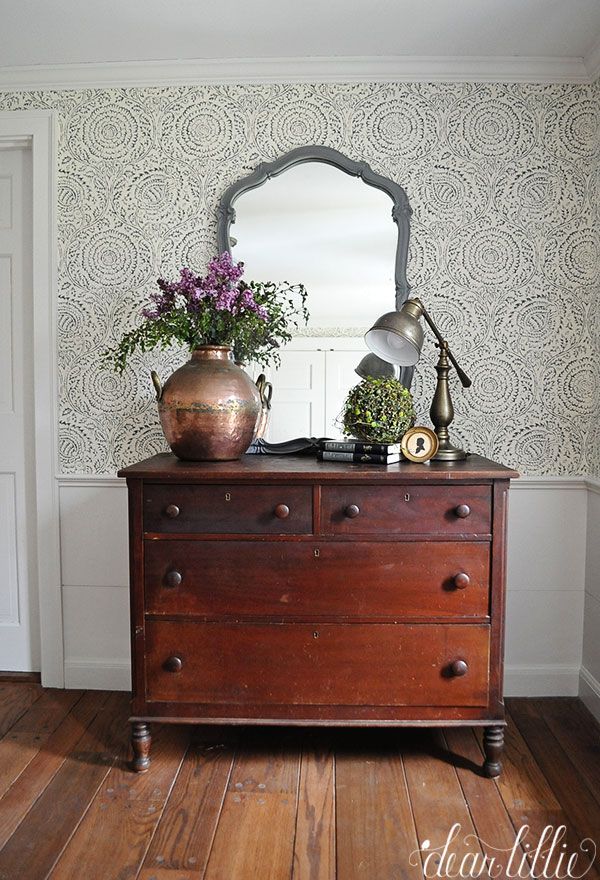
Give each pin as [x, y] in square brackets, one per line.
[37, 129]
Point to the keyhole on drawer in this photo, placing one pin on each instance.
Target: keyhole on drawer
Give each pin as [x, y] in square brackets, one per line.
[407, 497]
[315, 635]
[317, 553]
[227, 496]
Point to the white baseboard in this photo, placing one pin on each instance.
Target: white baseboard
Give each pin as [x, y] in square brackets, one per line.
[91, 673]
[589, 692]
[541, 681]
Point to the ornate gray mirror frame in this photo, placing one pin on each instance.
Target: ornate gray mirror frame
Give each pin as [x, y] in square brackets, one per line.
[401, 210]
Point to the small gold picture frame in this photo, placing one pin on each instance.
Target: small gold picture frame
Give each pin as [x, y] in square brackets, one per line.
[419, 444]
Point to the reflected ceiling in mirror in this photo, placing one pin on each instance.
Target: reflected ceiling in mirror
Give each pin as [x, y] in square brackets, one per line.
[318, 226]
[317, 218]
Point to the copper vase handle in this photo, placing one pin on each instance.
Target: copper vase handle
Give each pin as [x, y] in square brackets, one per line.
[157, 384]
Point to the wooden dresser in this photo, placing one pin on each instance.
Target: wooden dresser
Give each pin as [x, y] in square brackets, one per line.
[279, 590]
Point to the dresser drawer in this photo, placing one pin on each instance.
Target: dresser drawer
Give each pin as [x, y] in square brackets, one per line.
[358, 580]
[227, 509]
[406, 510]
[298, 664]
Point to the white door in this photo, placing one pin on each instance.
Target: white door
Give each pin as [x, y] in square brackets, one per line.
[298, 408]
[19, 623]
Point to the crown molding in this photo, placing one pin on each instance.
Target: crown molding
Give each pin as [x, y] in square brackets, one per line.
[592, 62]
[265, 70]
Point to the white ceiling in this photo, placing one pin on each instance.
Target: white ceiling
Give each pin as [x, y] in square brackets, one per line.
[67, 32]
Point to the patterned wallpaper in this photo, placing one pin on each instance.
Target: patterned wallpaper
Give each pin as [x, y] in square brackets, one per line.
[504, 181]
[593, 319]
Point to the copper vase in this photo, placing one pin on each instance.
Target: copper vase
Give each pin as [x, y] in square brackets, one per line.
[209, 407]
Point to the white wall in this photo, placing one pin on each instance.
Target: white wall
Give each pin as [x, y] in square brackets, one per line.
[546, 584]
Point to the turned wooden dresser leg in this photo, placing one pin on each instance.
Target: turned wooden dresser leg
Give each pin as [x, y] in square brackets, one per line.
[141, 741]
[493, 744]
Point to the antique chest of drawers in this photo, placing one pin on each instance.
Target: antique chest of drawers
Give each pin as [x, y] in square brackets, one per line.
[278, 590]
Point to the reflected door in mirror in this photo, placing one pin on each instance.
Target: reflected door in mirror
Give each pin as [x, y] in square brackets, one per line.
[309, 389]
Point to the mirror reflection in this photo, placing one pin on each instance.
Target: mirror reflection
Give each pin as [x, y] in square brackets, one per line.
[317, 225]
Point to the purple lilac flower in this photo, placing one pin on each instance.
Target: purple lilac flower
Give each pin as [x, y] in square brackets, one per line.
[219, 289]
[224, 267]
[161, 303]
[195, 300]
[247, 303]
[225, 300]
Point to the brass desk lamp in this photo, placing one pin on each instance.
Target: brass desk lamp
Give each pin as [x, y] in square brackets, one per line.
[397, 337]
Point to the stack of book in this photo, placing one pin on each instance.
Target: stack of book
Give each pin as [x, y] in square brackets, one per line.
[357, 451]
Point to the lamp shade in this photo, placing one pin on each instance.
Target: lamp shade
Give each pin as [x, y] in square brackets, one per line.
[372, 366]
[397, 337]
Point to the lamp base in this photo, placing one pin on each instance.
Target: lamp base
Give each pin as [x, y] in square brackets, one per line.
[442, 411]
[448, 452]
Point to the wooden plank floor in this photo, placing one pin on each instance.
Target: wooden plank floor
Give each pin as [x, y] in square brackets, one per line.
[285, 804]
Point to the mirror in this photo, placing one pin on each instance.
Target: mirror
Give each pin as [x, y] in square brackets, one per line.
[318, 218]
[327, 223]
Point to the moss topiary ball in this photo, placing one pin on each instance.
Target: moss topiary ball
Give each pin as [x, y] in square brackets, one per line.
[378, 411]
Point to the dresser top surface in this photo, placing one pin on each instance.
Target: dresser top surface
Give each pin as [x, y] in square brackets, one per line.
[165, 467]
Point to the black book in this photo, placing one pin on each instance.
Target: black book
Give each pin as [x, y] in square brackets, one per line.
[360, 446]
[364, 457]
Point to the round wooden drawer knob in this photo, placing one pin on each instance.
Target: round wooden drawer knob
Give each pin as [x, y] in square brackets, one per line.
[173, 578]
[172, 511]
[173, 664]
[282, 511]
[459, 667]
[462, 511]
[461, 580]
[352, 511]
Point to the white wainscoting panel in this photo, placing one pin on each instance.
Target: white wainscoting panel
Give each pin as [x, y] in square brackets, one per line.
[592, 581]
[589, 683]
[545, 593]
[546, 584]
[93, 533]
[547, 535]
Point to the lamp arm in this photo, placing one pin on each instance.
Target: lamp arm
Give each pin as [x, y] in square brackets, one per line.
[464, 379]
